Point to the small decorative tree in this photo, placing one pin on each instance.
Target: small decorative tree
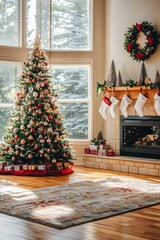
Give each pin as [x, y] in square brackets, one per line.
[143, 75]
[112, 77]
[119, 82]
[35, 132]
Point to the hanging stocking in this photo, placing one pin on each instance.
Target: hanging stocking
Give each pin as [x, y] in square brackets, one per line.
[157, 103]
[124, 105]
[139, 104]
[111, 108]
[104, 106]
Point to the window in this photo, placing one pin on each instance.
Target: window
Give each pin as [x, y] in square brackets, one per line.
[10, 22]
[74, 98]
[61, 24]
[9, 71]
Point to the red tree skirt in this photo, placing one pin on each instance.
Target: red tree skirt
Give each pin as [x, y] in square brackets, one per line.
[38, 172]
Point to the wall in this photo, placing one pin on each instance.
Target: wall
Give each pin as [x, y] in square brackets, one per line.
[121, 14]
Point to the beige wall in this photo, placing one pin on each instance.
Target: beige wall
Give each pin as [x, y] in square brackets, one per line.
[121, 14]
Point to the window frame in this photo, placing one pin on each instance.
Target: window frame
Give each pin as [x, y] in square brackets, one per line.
[90, 30]
[89, 101]
[20, 28]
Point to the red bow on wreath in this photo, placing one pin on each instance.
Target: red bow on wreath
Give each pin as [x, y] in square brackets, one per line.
[139, 27]
[140, 55]
[150, 40]
[129, 47]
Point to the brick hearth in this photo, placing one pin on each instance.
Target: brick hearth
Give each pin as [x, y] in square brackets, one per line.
[124, 164]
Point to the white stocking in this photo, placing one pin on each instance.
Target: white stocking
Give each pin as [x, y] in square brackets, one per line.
[157, 103]
[104, 106]
[111, 108]
[124, 105]
[139, 104]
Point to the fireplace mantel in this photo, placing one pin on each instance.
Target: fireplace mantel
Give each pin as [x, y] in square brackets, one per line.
[131, 92]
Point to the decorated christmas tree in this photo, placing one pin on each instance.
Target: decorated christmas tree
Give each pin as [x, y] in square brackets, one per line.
[35, 134]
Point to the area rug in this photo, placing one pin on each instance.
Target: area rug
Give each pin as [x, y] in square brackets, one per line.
[77, 203]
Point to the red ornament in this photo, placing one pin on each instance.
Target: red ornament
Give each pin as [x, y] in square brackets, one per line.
[7, 148]
[16, 137]
[46, 84]
[50, 117]
[36, 147]
[34, 81]
[42, 53]
[39, 105]
[32, 130]
[56, 95]
[46, 64]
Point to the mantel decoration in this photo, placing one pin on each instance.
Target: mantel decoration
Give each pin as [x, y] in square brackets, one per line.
[133, 48]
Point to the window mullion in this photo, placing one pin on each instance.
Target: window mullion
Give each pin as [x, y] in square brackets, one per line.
[51, 23]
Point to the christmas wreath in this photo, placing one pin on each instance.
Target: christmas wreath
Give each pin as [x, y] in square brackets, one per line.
[133, 48]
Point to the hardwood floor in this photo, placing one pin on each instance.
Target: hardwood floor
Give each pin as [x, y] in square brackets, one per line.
[136, 225]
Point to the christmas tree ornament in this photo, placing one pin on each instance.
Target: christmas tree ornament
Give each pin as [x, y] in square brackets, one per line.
[157, 103]
[126, 101]
[104, 106]
[140, 102]
[112, 106]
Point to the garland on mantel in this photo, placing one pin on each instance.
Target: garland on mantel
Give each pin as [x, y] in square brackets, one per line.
[131, 45]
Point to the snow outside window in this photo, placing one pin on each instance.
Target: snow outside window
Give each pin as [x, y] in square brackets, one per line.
[10, 23]
[74, 99]
[9, 71]
[61, 24]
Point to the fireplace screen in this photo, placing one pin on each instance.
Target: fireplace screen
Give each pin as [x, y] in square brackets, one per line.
[140, 136]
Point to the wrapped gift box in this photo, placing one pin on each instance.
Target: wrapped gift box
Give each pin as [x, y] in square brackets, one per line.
[42, 167]
[87, 151]
[2, 165]
[50, 166]
[17, 167]
[93, 152]
[25, 166]
[8, 168]
[32, 167]
[59, 164]
[66, 165]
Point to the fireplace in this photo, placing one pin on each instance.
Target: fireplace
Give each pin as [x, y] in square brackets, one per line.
[140, 137]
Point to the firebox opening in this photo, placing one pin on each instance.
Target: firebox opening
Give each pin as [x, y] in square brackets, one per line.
[140, 136]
